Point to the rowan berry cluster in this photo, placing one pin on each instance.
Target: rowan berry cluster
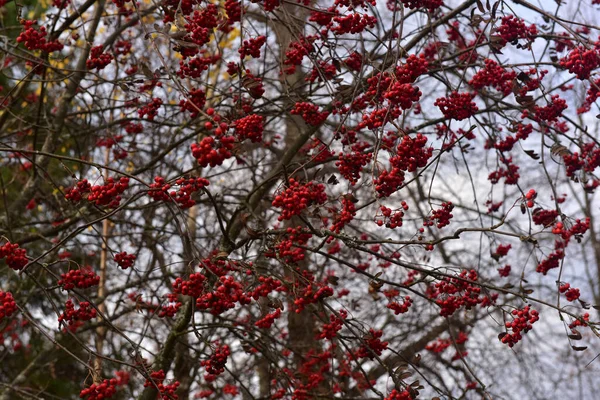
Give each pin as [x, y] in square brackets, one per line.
[522, 323]
[372, 345]
[7, 305]
[454, 293]
[581, 62]
[194, 102]
[36, 39]
[502, 250]
[457, 106]
[346, 215]
[429, 5]
[297, 197]
[98, 58]
[108, 194]
[354, 61]
[211, 151]
[398, 308]
[388, 183]
[578, 228]
[588, 160]
[251, 47]
[125, 260]
[550, 262]
[552, 111]
[353, 23]
[493, 75]
[296, 53]
[16, 257]
[79, 278]
[351, 164]
[544, 217]
[268, 320]
[150, 109]
[583, 321]
[403, 395]
[74, 317]
[250, 127]
[106, 389]
[215, 365]
[513, 28]
[286, 248]
[570, 293]
[438, 346]
[165, 392]
[392, 218]
[442, 216]
[233, 8]
[329, 331]
[504, 271]
[510, 174]
[160, 190]
[402, 95]
[310, 113]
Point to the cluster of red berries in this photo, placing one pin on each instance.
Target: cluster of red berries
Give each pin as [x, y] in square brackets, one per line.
[268, 320]
[160, 190]
[402, 95]
[79, 278]
[354, 61]
[588, 160]
[165, 392]
[544, 217]
[522, 323]
[510, 173]
[578, 228]
[350, 164]
[286, 248]
[108, 194]
[581, 62]
[442, 216]
[454, 293]
[372, 345]
[329, 331]
[124, 260]
[493, 75]
[215, 365]
[310, 113]
[7, 305]
[583, 321]
[398, 308]
[513, 29]
[346, 215]
[150, 109]
[429, 5]
[98, 58]
[458, 106]
[571, 294]
[36, 39]
[106, 389]
[251, 47]
[309, 296]
[16, 257]
[122, 47]
[504, 271]
[296, 53]
[233, 8]
[213, 152]
[550, 262]
[195, 101]
[194, 67]
[392, 219]
[502, 250]
[74, 317]
[438, 346]
[250, 127]
[297, 197]
[353, 23]
[552, 111]
[388, 183]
